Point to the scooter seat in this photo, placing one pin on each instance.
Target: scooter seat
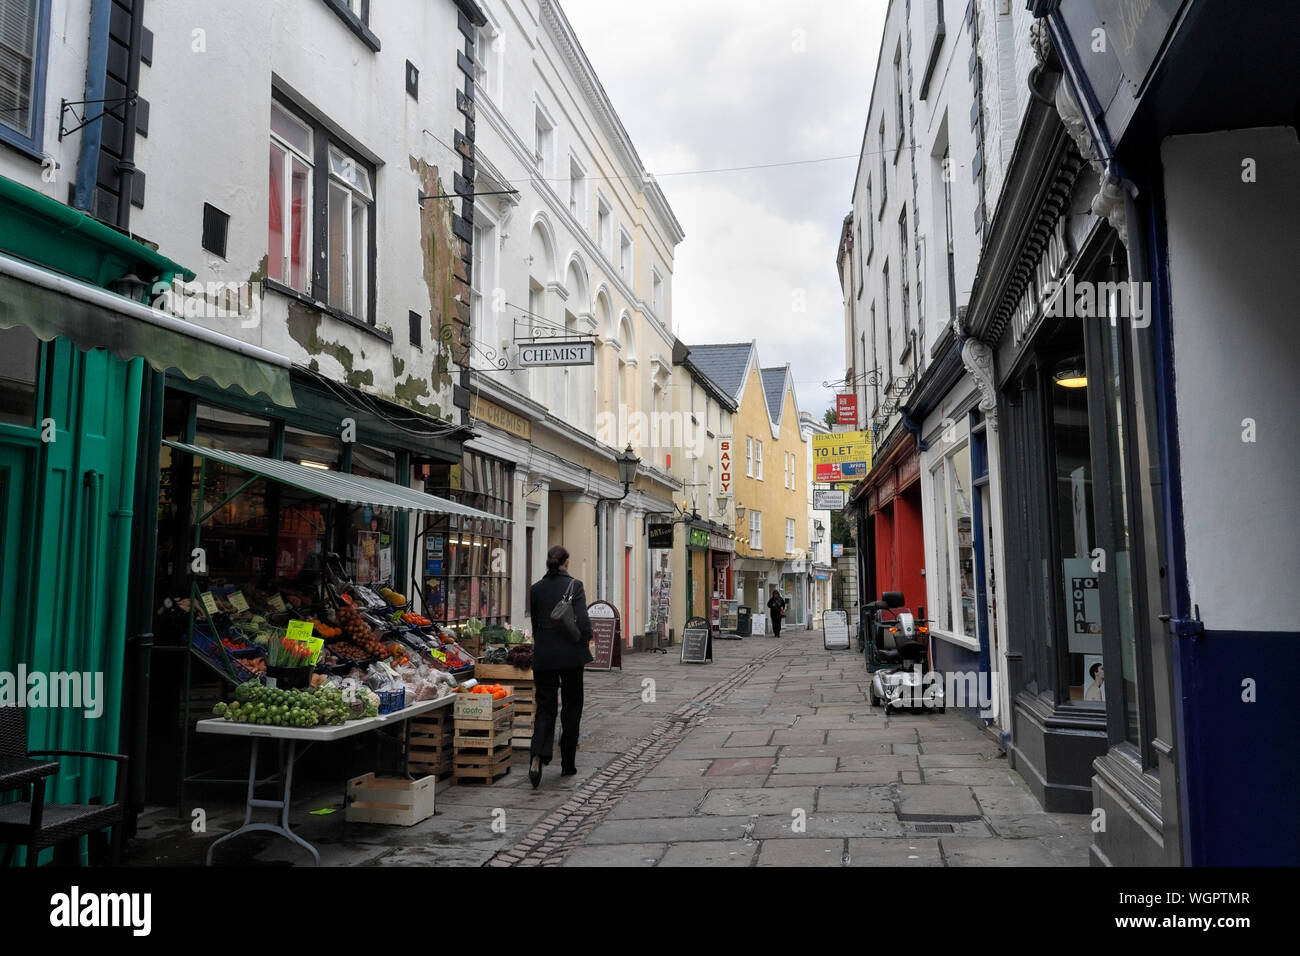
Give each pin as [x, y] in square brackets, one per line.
[887, 656]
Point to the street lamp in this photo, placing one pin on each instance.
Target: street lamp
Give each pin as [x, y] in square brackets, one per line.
[627, 464]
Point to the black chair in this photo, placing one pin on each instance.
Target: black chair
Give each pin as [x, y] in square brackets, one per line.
[33, 823]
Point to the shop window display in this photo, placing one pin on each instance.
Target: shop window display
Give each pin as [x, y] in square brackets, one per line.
[467, 561]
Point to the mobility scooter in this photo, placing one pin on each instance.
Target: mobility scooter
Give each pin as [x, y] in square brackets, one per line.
[898, 657]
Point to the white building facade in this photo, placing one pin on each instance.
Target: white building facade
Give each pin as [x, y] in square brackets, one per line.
[573, 243]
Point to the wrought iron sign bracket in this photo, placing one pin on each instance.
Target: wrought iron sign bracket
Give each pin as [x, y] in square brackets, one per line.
[83, 120]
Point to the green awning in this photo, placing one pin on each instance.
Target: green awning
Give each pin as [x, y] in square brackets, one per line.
[54, 306]
[336, 486]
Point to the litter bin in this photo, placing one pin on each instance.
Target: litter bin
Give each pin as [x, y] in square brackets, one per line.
[744, 621]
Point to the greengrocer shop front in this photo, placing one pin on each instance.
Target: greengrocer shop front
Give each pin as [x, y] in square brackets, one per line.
[82, 363]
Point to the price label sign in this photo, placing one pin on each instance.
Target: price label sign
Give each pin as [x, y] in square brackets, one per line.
[299, 630]
[439, 656]
[209, 602]
[277, 603]
[317, 645]
[238, 601]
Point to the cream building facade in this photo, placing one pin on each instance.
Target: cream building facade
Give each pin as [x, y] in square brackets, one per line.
[573, 245]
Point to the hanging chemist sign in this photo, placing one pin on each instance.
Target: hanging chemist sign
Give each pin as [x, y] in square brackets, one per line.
[542, 353]
[841, 456]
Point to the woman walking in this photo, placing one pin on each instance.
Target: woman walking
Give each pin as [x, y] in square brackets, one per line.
[776, 604]
[558, 663]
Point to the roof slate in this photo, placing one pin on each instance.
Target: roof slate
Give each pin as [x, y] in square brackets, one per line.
[724, 364]
[774, 391]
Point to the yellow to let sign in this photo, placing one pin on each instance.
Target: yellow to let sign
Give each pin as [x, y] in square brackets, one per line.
[840, 447]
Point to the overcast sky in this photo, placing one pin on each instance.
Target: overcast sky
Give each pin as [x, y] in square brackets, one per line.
[707, 84]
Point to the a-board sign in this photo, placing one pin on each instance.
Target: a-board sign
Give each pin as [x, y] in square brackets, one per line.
[730, 615]
[697, 642]
[605, 630]
[835, 630]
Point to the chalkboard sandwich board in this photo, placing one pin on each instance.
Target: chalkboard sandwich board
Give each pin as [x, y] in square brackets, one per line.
[605, 645]
[697, 642]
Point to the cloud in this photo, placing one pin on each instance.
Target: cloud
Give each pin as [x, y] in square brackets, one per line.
[740, 83]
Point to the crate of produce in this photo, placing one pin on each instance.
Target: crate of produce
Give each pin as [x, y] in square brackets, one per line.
[502, 672]
[480, 707]
[393, 801]
[481, 768]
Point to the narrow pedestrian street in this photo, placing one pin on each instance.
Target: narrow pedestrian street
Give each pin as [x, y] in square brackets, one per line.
[769, 756]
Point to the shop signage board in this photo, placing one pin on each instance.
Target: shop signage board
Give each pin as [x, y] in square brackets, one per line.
[548, 353]
[846, 409]
[606, 647]
[480, 409]
[724, 468]
[1082, 606]
[660, 536]
[841, 456]
[828, 499]
[697, 643]
[837, 550]
[699, 538]
[835, 630]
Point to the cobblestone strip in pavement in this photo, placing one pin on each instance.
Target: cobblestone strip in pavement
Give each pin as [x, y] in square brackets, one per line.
[554, 836]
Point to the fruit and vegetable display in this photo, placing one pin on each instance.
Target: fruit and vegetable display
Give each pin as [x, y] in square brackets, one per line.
[325, 630]
[497, 691]
[418, 620]
[255, 704]
[348, 652]
[359, 633]
[521, 656]
[286, 652]
[393, 597]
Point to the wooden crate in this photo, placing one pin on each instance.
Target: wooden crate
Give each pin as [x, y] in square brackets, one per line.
[502, 674]
[393, 801]
[485, 768]
[431, 745]
[525, 714]
[479, 706]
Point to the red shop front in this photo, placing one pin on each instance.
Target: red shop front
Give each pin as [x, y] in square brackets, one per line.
[893, 506]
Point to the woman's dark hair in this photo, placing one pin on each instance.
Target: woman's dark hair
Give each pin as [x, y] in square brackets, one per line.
[555, 558]
[1092, 671]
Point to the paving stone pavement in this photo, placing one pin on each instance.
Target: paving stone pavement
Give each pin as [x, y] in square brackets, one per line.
[780, 761]
[769, 756]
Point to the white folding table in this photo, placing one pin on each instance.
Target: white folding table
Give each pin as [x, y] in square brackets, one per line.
[292, 736]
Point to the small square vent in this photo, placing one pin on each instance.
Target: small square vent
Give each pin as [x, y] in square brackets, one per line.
[412, 80]
[215, 226]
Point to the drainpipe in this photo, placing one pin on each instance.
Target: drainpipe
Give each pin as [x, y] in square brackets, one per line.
[83, 191]
[126, 165]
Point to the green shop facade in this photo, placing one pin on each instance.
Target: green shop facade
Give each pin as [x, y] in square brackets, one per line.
[95, 519]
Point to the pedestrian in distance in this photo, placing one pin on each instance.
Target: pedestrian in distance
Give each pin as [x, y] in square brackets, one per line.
[776, 604]
[559, 659]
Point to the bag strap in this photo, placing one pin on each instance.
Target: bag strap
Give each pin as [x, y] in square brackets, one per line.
[568, 592]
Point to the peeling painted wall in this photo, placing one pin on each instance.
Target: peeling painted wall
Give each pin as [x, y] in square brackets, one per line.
[214, 149]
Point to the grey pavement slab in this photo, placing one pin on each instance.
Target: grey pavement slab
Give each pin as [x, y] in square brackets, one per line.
[960, 760]
[800, 851]
[740, 766]
[892, 762]
[970, 776]
[796, 736]
[839, 778]
[673, 767]
[667, 803]
[868, 799]
[959, 747]
[938, 804]
[766, 800]
[857, 749]
[710, 853]
[698, 784]
[749, 738]
[896, 852]
[670, 829]
[836, 824]
[807, 764]
[617, 854]
[959, 851]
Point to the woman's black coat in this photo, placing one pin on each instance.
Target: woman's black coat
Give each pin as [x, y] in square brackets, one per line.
[552, 649]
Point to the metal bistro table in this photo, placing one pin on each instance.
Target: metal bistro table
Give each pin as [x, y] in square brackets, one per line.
[293, 736]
